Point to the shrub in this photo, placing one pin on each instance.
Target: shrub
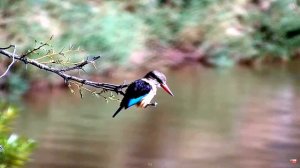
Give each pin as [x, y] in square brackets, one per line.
[15, 150]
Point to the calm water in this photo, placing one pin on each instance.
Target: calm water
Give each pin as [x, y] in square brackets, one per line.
[237, 118]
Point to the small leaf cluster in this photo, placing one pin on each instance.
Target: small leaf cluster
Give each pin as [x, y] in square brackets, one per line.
[15, 150]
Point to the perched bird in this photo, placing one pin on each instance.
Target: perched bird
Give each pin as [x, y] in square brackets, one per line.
[141, 91]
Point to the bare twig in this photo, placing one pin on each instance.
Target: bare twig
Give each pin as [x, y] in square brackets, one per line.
[61, 72]
[82, 64]
[37, 48]
[13, 60]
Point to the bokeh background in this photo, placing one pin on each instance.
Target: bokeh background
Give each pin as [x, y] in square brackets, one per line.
[232, 65]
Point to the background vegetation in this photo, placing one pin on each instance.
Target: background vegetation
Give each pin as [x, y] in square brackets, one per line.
[117, 29]
[136, 32]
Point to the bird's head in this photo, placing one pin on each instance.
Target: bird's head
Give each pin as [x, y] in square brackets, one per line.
[159, 79]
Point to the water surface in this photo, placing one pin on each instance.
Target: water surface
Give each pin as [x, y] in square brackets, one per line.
[232, 118]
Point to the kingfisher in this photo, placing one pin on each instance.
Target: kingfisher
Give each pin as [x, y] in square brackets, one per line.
[142, 91]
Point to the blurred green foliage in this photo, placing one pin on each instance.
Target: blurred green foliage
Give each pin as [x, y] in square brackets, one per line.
[226, 31]
[273, 35]
[15, 150]
[16, 85]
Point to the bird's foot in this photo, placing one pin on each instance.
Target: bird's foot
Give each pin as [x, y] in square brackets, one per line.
[152, 104]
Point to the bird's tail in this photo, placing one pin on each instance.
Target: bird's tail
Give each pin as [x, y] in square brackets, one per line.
[119, 109]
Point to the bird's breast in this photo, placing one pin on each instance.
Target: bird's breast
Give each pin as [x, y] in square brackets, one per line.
[147, 99]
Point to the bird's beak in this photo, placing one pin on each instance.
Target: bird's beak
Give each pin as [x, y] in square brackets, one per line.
[166, 88]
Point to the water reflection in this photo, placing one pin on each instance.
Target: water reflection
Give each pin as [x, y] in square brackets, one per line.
[230, 118]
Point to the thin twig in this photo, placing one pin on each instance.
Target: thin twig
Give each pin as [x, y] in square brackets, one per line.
[67, 77]
[37, 48]
[81, 65]
[51, 54]
[13, 60]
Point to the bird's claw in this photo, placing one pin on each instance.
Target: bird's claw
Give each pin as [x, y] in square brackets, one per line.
[152, 104]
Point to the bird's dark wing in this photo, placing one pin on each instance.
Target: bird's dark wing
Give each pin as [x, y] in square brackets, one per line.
[135, 92]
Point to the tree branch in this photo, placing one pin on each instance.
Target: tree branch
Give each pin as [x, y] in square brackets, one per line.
[82, 64]
[12, 62]
[37, 48]
[61, 72]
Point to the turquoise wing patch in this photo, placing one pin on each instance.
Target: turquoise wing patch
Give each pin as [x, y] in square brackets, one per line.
[134, 101]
